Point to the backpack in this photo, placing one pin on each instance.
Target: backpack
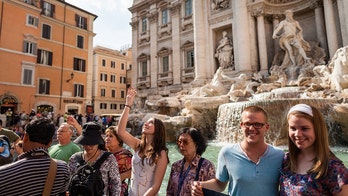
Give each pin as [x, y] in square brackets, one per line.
[5, 156]
[87, 180]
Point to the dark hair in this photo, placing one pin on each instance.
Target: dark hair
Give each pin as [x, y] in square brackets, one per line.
[158, 144]
[112, 130]
[197, 137]
[40, 130]
[0, 122]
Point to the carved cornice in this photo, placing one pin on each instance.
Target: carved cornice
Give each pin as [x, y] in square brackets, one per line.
[278, 7]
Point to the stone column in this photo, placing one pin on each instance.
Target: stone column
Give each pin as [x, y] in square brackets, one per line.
[200, 41]
[135, 66]
[343, 15]
[261, 36]
[175, 19]
[253, 44]
[241, 35]
[153, 19]
[331, 30]
[320, 26]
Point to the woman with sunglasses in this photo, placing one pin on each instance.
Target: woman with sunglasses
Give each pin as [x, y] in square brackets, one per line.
[192, 167]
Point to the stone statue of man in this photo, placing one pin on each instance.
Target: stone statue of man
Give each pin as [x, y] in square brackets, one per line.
[291, 40]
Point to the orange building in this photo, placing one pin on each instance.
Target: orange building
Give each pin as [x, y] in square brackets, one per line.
[110, 79]
[46, 56]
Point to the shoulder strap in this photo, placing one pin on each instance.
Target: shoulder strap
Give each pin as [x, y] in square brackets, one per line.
[50, 178]
[199, 167]
[79, 158]
[100, 161]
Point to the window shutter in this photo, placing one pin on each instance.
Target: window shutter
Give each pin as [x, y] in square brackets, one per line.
[82, 91]
[50, 56]
[38, 56]
[34, 48]
[48, 86]
[53, 9]
[75, 90]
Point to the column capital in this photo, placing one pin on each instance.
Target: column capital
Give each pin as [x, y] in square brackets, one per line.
[175, 8]
[316, 4]
[258, 12]
[153, 17]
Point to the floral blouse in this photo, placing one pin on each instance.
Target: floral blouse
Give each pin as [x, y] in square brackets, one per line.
[187, 177]
[124, 161]
[306, 184]
[109, 171]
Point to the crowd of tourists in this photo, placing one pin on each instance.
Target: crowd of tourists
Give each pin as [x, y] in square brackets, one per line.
[96, 162]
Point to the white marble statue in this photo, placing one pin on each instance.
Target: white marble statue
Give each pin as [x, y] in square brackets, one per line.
[339, 69]
[224, 51]
[291, 41]
[220, 4]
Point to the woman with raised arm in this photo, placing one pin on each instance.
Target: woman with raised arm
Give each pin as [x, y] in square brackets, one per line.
[150, 156]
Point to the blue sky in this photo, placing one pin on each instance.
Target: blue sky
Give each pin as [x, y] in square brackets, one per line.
[112, 25]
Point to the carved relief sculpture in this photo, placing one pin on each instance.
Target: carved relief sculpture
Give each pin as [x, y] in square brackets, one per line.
[220, 4]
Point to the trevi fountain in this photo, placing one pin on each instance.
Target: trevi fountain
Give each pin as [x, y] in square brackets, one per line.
[300, 73]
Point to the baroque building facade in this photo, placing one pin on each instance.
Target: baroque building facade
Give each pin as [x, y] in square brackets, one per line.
[175, 42]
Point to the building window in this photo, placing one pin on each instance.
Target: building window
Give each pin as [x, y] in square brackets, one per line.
[143, 68]
[164, 16]
[44, 57]
[165, 64]
[29, 47]
[103, 62]
[103, 77]
[44, 86]
[122, 66]
[80, 40]
[79, 64]
[46, 31]
[28, 75]
[31, 2]
[122, 94]
[190, 60]
[81, 22]
[47, 9]
[122, 80]
[188, 7]
[113, 64]
[78, 90]
[113, 93]
[113, 78]
[113, 106]
[144, 25]
[102, 92]
[32, 21]
[103, 106]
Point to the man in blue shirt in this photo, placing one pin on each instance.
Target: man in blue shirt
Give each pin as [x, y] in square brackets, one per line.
[250, 167]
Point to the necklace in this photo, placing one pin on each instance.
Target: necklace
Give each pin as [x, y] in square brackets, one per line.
[87, 161]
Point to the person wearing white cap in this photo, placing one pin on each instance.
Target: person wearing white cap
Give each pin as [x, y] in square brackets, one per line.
[310, 168]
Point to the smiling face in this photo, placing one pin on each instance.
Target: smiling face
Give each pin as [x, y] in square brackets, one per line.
[149, 127]
[254, 127]
[301, 132]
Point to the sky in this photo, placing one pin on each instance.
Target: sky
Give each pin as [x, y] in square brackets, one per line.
[112, 24]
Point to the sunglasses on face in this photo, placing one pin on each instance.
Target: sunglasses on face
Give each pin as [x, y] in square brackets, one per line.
[183, 142]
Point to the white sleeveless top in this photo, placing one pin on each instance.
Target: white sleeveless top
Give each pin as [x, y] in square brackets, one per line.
[142, 175]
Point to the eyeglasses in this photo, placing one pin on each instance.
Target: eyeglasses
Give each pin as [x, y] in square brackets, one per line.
[62, 131]
[183, 142]
[256, 125]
